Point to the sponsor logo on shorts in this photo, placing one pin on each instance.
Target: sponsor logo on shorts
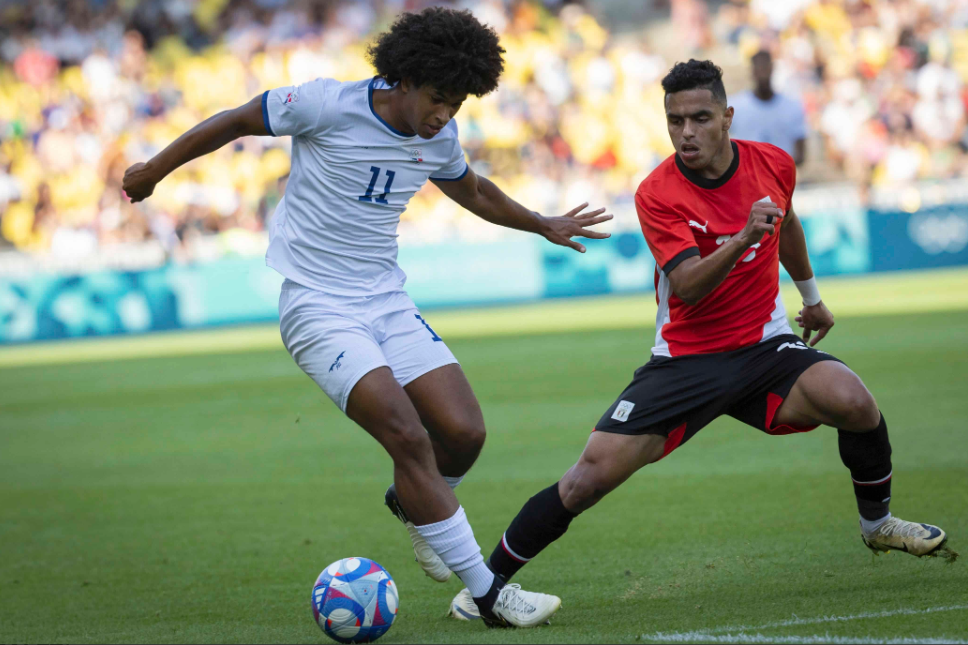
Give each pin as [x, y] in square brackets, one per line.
[337, 364]
[797, 345]
[622, 411]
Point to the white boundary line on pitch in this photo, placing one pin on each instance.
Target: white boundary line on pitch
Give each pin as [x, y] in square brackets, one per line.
[705, 637]
[837, 619]
[737, 633]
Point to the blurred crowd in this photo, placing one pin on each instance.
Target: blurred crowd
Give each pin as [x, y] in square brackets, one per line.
[88, 87]
[881, 81]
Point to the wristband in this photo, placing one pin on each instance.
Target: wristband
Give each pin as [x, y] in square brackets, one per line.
[808, 291]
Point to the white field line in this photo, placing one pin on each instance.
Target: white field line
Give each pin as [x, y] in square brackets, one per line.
[740, 633]
[791, 622]
[705, 637]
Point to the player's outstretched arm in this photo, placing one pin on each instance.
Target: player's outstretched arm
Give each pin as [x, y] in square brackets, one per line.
[480, 196]
[814, 317]
[209, 135]
[695, 278]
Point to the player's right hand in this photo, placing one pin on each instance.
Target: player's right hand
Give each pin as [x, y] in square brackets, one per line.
[765, 218]
[139, 182]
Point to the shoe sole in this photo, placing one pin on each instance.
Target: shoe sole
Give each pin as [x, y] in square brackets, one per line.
[930, 554]
[546, 621]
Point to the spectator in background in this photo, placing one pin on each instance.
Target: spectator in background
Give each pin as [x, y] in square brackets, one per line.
[766, 116]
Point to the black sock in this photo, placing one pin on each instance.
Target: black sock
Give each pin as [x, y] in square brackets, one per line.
[868, 456]
[485, 604]
[540, 522]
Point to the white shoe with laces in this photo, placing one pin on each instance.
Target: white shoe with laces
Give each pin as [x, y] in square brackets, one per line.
[519, 608]
[463, 607]
[910, 537]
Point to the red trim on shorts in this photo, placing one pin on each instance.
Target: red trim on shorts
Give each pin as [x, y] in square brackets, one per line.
[773, 403]
[673, 440]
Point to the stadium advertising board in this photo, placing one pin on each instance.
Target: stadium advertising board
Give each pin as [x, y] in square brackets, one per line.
[243, 290]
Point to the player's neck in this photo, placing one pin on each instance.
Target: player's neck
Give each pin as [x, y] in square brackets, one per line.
[764, 93]
[386, 103]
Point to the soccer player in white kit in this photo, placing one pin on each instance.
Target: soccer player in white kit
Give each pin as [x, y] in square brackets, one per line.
[360, 150]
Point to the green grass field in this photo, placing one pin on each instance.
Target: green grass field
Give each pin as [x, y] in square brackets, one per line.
[195, 498]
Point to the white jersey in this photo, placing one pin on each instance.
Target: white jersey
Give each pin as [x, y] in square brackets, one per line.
[335, 229]
[779, 121]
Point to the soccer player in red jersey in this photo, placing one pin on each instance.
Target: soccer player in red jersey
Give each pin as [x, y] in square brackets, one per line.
[718, 218]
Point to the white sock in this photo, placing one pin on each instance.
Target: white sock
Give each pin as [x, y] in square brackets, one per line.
[453, 482]
[869, 526]
[453, 540]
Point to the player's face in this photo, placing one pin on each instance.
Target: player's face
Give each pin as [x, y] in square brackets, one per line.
[431, 109]
[762, 71]
[697, 126]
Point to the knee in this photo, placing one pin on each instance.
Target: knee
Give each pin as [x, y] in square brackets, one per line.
[858, 408]
[464, 436]
[581, 488]
[407, 443]
[472, 435]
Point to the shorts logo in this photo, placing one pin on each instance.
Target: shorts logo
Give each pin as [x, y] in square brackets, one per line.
[797, 345]
[416, 155]
[337, 364]
[293, 96]
[622, 411]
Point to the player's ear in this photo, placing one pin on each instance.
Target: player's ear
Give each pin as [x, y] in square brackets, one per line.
[405, 85]
[727, 119]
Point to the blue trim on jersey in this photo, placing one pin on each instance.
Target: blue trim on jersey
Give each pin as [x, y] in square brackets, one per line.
[265, 113]
[462, 175]
[369, 98]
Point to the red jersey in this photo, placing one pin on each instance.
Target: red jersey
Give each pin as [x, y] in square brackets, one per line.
[684, 215]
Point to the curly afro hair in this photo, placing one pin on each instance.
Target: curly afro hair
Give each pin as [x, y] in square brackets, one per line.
[443, 48]
[696, 75]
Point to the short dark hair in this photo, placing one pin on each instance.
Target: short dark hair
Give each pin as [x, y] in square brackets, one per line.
[695, 75]
[443, 48]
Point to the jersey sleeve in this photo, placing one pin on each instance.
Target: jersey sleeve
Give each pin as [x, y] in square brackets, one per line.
[456, 166]
[297, 110]
[667, 233]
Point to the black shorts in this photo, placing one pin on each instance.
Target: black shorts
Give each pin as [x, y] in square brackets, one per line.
[676, 397]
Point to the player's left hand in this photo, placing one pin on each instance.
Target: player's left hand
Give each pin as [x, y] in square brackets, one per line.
[816, 318]
[574, 223]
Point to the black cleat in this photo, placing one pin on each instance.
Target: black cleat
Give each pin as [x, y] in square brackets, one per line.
[393, 503]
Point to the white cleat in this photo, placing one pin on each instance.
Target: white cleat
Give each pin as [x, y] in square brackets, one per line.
[462, 607]
[910, 537]
[519, 608]
[429, 561]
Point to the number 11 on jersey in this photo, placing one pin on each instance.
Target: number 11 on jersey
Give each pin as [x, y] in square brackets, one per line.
[380, 199]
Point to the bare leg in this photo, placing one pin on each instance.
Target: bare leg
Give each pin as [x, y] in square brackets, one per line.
[451, 414]
[381, 407]
[829, 393]
[607, 461]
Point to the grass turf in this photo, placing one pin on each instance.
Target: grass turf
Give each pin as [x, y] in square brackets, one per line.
[196, 498]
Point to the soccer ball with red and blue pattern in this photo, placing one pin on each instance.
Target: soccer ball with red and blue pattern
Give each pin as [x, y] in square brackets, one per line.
[355, 601]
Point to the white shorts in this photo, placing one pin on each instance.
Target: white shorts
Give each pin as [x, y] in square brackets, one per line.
[337, 340]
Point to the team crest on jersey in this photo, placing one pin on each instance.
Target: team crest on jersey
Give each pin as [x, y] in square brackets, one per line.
[416, 155]
[293, 96]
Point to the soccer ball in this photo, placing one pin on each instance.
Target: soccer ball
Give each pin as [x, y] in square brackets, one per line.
[355, 601]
